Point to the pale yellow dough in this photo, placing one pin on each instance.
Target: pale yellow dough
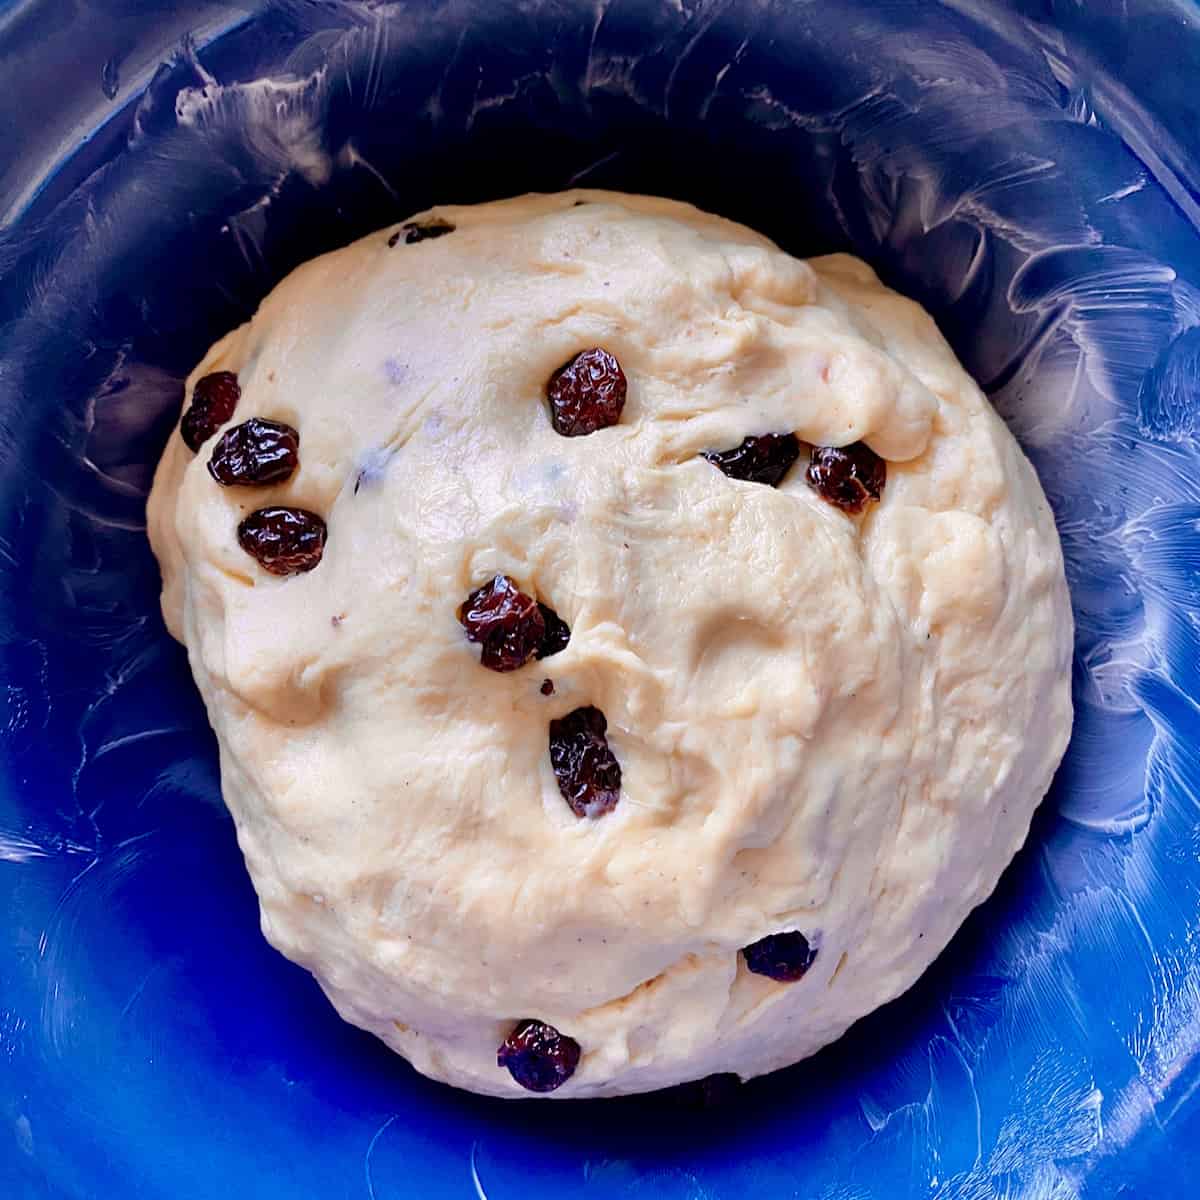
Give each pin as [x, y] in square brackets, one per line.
[830, 724]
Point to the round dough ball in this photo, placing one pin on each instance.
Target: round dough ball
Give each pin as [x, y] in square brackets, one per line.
[831, 723]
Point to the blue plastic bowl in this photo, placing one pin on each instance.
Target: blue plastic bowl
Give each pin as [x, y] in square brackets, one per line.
[1027, 170]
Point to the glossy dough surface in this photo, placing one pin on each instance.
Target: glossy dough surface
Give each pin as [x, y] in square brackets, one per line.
[826, 723]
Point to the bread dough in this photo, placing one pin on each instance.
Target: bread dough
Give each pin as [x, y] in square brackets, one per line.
[835, 724]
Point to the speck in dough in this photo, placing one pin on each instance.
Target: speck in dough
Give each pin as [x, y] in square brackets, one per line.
[831, 713]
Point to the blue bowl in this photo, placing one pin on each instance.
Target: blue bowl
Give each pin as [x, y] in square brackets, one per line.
[1028, 170]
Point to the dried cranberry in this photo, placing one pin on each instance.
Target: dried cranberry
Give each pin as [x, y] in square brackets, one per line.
[765, 459]
[547, 688]
[782, 956]
[847, 476]
[588, 774]
[507, 622]
[557, 634]
[214, 398]
[255, 453]
[417, 231]
[586, 394]
[285, 541]
[538, 1057]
